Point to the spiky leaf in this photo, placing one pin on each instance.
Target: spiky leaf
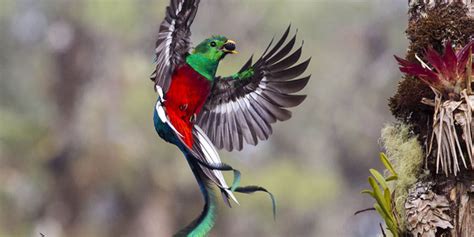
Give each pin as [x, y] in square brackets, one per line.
[387, 164]
[379, 177]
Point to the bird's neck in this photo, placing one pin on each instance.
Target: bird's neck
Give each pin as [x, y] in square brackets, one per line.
[204, 66]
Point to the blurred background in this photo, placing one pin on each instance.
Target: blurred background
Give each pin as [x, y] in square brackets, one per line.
[79, 155]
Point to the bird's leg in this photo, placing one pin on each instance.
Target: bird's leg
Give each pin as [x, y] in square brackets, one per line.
[192, 119]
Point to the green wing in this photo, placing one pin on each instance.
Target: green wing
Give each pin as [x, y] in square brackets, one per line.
[242, 107]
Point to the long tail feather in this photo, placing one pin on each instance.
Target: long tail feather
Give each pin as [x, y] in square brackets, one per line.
[235, 184]
[252, 189]
[201, 226]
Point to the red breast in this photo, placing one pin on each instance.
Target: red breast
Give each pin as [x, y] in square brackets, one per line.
[185, 98]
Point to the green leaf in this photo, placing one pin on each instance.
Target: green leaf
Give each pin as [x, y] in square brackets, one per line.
[381, 212]
[383, 195]
[368, 192]
[379, 177]
[379, 197]
[388, 200]
[391, 178]
[393, 229]
[390, 224]
[387, 164]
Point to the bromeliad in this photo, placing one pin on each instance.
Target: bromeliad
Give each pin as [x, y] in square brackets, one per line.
[198, 111]
[450, 78]
[449, 75]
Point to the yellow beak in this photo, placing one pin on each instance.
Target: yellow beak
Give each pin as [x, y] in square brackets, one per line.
[229, 47]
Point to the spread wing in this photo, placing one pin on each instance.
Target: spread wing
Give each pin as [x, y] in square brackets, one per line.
[173, 41]
[242, 107]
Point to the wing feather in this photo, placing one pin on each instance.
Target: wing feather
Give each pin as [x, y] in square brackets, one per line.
[288, 61]
[243, 107]
[283, 52]
[173, 41]
[288, 86]
[290, 73]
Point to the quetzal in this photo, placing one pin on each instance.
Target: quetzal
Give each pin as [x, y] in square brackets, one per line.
[198, 111]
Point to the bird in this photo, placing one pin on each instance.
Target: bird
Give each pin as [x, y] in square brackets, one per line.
[200, 112]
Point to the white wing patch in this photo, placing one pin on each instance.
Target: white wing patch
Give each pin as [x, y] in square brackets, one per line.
[212, 157]
[161, 111]
[160, 92]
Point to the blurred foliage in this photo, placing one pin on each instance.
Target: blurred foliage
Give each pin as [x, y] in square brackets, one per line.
[78, 152]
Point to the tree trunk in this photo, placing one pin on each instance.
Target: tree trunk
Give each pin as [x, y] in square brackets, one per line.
[462, 195]
[431, 24]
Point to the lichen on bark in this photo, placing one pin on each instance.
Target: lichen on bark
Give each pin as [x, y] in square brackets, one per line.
[406, 155]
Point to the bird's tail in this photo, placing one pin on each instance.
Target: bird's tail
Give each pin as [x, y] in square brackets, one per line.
[207, 168]
[200, 226]
[204, 154]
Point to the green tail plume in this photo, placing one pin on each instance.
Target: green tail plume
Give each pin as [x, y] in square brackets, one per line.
[203, 224]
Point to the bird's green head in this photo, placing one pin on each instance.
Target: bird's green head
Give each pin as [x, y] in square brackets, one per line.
[206, 56]
[215, 48]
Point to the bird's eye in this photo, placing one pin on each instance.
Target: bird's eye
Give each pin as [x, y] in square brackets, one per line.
[213, 44]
